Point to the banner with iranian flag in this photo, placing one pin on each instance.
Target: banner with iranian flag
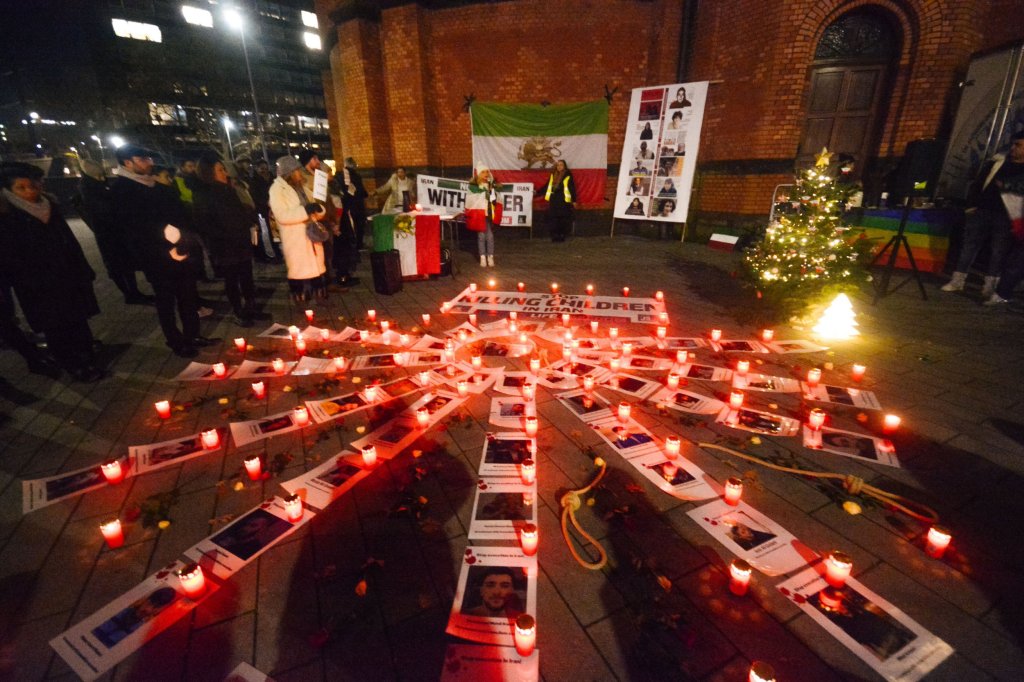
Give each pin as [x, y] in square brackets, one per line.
[419, 250]
[522, 143]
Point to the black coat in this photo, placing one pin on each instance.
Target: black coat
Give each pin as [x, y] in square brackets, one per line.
[225, 223]
[93, 204]
[45, 265]
[140, 214]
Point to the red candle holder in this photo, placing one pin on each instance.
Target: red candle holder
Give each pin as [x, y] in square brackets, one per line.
[259, 389]
[370, 392]
[739, 577]
[112, 471]
[294, 332]
[163, 408]
[369, 455]
[462, 387]
[472, 287]
[528, 471]
[309, 315]
[525, 636]
[716, 334]
[614, 364]
[659, 296]
[528, 539]
[240, 344]
[767, 335]
[385, 326]
[625, 292]
[521, 286]
[590, 290]
[813, 377]
[476, 361]
[112, 533]
[682, 357]
[613, 333]
[219, 370]
[531, 426]
[293, 508]
[857, 372]
[588, 383]
[339, 363]
[300, 346]
[736, 399]
[662, 317]
[672, 444]
[325, 334]
[192, 580]
[742, 367]
[534, 365]
[426, 319]
[593, 326]
[278, 365]
[423, 417]
[890, 423]
[301, 415]
[937, 542]
[733, 491]
[528, 391]
[253, 467]
[624, 411]
[554, 287]
[837, 568]
[472, 319]
[491, 283]
[210, 439]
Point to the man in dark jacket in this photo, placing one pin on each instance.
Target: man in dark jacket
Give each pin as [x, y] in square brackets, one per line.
[154, 225]
[353, 199]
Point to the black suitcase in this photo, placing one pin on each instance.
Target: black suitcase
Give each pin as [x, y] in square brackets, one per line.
[387, 271]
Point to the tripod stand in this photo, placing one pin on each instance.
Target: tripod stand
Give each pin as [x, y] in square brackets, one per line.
[899, 239]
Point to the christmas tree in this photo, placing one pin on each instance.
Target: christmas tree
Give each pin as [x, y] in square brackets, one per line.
[806, 254]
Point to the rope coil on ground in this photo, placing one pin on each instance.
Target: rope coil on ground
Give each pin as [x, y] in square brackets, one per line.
[571, 501]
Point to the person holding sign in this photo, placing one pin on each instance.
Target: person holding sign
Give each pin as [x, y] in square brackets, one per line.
[297, 220]
[399, 190]
[561, 197]
[483, 212]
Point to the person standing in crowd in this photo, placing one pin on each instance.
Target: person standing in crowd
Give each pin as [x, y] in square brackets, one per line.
[43, 263]
[154, 225]
[353, 199]
[1011, 179]
[93, 204]
[483, 206]
[259, 190]
[310, 162]
[185, 179]
[399, 192]
[228, 224]
[986, 220]
[561, 197]
[293, 211]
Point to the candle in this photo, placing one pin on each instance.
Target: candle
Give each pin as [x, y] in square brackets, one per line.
[444, 307]
[472, 319]
[593, 326]
[300, 345]
[662, 317]
[369, 455]
[613, 333]
[531, 426]
[426, 319]
[293, 508]
[293, 332]
[491, 283]
[523, 338]
[742, 367]
[472, 287]
[739, 577]
[590, 290]
[938, 541]
[857, 372]
[399, 358]
[816, 418]
[554, 287]
[566, 351]
[813, 377]
[528, 539]
[736, 399]
[761, 672]
[672, 380]
[423, 417]
[278, 365]
[253, 466]
[588, 383]
[528, 471]
[672, 447]
[716, 334]
[325, 334]
[837, 568]
[767, 335]
[463, 388]
[659, 296]
[521, 286]
[112, 471]
[112, 533]
[662, 332]
[890, 423]
[534, 365]
[371, 392]
[615, 364]
[385, 326]
[219, 370]
[240, 344]
[463, 335]
[301, 415]
[733, 491]
[163, 408]
[525, 634]
[210, 438]
[513, 316]
[513, 328]
[309, 315]
[339, 363]
[192, 580]
[623, 412]
[450, 370]
[625, 291]
[476, 361]
[681, 357]
[259, 389]
[423, 377]
[528, 391]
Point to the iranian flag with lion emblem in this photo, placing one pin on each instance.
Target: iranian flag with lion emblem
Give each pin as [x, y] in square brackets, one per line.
[522, 143]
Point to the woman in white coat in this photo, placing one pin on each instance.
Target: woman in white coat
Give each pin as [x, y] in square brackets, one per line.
[293, 210]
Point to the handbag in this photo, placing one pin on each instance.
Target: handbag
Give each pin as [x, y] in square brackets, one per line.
[316, 232]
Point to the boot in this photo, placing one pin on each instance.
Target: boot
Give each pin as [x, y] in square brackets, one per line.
[483, 261]
[989, 288]
[956, 282]
[490, 261]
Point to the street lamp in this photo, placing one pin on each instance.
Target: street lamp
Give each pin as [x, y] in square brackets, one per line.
[235, 20]
[227, 132]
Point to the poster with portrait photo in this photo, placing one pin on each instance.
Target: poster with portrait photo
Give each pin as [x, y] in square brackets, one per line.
[704, 372]
[511, 413]
[512, 383]
[753, 537]
[496, 586]
[765, 383]
[687, 401]
[253, 369]
[552, 378]
[229, 549]
[664, 209]
[276, 331]
[107, 637]
[152, 456]
[765, 423]
[628, 439]
[201, 371]
[483, 378]
[857, 445]
[590, 408]
[41, 492]
[502, 506]
[631, 385]
[347, 335]
[379, 361]
[645, 363]
[484, 663]
[309, 365]
[438, 404]
[647, 129]
[686, 343]
[840, 395]
[887, 639]
[324, 484]
[448, 374]
[678, 477]
[503, 453]
[738, 346]
[253, 430]
[639, 186]
[580, 369]
[640, 168]
[338, 406]
[795, 346]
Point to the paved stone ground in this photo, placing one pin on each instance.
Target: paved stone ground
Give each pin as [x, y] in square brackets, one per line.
[951, 368]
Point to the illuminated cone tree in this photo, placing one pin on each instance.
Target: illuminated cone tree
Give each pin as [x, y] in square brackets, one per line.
[806, 254]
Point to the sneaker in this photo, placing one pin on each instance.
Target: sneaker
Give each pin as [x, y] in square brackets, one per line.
[956, 283]
[995, 299]
[205, 312]
[483, 261]
[203, 342]
[490, 261]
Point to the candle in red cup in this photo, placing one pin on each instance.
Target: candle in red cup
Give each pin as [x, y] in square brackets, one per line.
[739, 577]
[857, 372]
[240, 344]
[672, 381]
[613, 333]
[528, 539]
[450, 370]
[399, 358]
[301, 415]
[521, 286]
[463, 335]
[219, 370]
[761, 672]
[525, 634]
[716, 334]
[813, 377]
[565, 319]
[491, 283]
[278, 365]
[385, 326]
[890, 423]
[253, 466]
[259, 389]
[615, 364]
[659, 296]
[531, 426]
[682, 357]
[627, 348]
[593, 326]
[309, 315]
[736, 399]
[444, 307]
[210, 439]
[523, 338]
[163, 408]
[472, 319]
[293, 508]
[112, 471]
[534, 365]
[339, 363]
[590, 290]
[837, 568]
[513, 315]
[192, 580]
[742, 367]
[476, 361]
[364, 335]
[463, 388]
[294, 332]
[662, 332]
[426, 319]
[112, 533]
[767, 335]
[423, 417]
[733, 491]
[662, 317]
[625, 291]
[472, 287]
[816, 418]
[938, 541]
[325, 334]
[424, 377]
[554, 287]
[300, 345]
[588, 383]
[624, 411]
[371, 392]
[513, 328]
[672, 446]
[528, 471]
[369, 455]
[566, 351]
[528, 391]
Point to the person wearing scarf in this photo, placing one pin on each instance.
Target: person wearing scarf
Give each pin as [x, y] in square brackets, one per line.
[43, 263]
[560, 193]
[482, 198]
[292, 210]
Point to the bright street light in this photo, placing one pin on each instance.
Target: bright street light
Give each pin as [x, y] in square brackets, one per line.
[236, 21]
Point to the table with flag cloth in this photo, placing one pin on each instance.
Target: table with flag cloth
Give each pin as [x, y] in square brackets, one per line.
[420, 251]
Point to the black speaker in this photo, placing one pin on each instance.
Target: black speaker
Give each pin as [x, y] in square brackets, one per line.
[918, 172]
[387, 271]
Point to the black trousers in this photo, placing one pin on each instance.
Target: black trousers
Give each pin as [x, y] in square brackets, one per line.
[176, 296]
[343, 256]
[560, 224]
[10, 333]
[238, 285]
[71, 344]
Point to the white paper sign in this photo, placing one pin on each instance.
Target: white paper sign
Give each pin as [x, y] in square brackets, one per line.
[501, 508]
[320, 185]
[329, 481]
[448, 197]
[503, 453]
[496, 585]
[481, 663]
[759, 422]
[850, 444]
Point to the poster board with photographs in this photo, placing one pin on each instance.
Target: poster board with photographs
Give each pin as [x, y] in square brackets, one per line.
[496, 585]
[659, 151]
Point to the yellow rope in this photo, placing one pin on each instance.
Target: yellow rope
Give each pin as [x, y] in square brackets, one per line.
[852, 484]
[571, 501]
